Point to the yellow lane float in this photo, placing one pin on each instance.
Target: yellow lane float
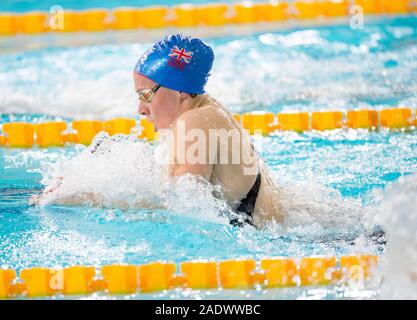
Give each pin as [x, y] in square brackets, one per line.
[395, 6]
[19, 134]
[3, 140]
[94, 20]
[354, 264]
[120, 279]
[296, 121]
[6, 278]
[33, 22]
[245, 12]
[40, 281]
[317, 270]
[8, 24]
[258, 122]
[396, 118]
[356, 119]
[22, 135]
[119, 126]
[49, 134]
[126, 18]
[326, 120]
[335, 8]
[200, 275]
[272, 11]
[186, 15]
[156, 276]
[148, 130]
[154, 17]
[236, 274]
[78, 280]
[369, 6]
[214, 14]
[280, 272]
[305, 9]
[189, 15]
[237, 117]
[86, 130]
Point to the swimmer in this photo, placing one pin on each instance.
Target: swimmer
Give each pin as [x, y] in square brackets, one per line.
[170, 80]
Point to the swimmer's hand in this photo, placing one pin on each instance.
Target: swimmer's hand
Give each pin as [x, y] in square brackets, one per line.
[36, 199]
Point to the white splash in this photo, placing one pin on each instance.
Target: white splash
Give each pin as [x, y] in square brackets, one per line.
[398, 216]
[124, 172]
[121, 171]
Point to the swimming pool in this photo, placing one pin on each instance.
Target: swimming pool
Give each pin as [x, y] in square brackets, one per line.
[333, 175]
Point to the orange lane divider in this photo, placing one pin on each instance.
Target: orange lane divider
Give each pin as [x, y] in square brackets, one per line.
[326, 120]
[78, 280]
[94, 20]
[148, 130]
[6, 278]
[236, 274]
[396, 118]
[364, 264]
[297, 121]
[214, 14]
[189, 15]
[186, 15]
[40, 281]
[119, 126]
[258, 122]
[126, 18]
[49, 134]
[158, 276]
[8, 24]
[369, 6]
[272, 11]
[200, 275]
[154, 17]
[317, 271]
[335, 8]
[306, 9]
[86, 130]
[120, 279]
[19, 134]
[33, 22]
[280, 272]
[396, 6]
[71, 21]
[362, 119]
[245, 12]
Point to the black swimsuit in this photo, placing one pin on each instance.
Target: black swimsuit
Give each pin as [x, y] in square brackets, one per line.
[246, 205]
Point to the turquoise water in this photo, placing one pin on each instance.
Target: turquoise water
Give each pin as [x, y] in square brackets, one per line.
[334, 175]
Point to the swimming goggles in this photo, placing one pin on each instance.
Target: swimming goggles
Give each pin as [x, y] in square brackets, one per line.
[148, 94]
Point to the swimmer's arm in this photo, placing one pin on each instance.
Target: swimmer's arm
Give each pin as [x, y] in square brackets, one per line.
[51, 196]
[184, 151]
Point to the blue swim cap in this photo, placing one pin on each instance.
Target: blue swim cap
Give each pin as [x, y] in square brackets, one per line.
[178, 62]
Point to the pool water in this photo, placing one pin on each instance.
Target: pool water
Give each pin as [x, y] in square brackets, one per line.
[336, 179]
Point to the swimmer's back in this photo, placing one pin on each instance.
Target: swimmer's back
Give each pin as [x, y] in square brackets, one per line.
[234, 178]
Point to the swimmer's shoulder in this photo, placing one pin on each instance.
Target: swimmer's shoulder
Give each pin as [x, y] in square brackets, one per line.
[209, 115]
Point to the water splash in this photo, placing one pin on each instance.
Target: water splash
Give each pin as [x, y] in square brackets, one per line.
[397, 214]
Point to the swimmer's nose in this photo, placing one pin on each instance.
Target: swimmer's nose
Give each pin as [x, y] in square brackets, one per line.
[143, 110]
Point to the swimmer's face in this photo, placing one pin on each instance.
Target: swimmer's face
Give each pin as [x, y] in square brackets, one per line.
[164, 107]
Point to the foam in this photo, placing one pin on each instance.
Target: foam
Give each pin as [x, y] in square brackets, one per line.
[128, 173]
[397, 214]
